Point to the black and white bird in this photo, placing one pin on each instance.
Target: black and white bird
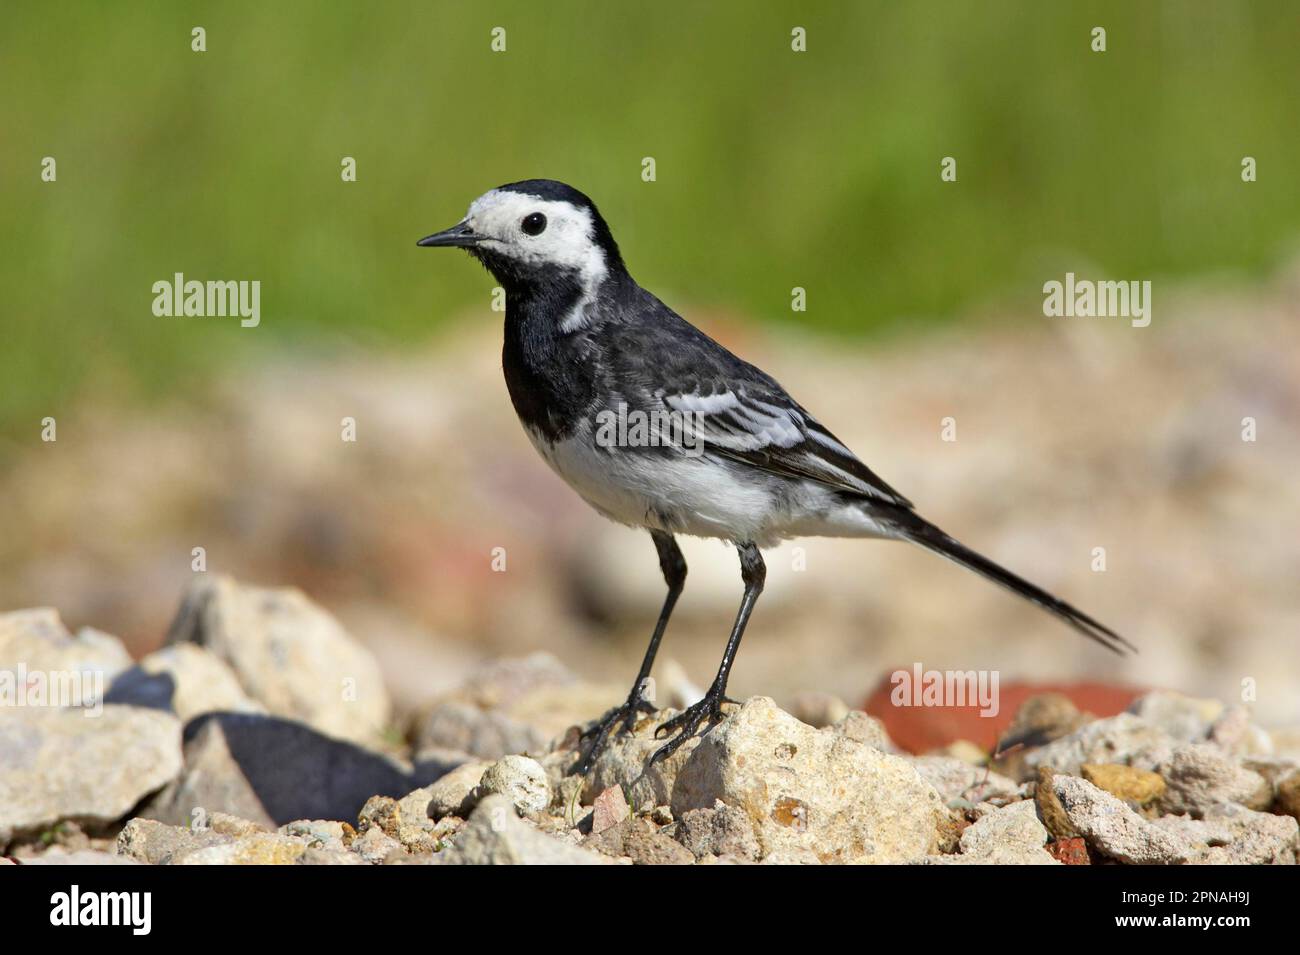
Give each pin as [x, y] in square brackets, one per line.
[727, 452]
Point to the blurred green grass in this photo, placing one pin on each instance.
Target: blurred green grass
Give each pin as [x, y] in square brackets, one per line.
[775, 169]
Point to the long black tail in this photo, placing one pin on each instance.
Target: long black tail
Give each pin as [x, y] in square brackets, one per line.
[912, 527]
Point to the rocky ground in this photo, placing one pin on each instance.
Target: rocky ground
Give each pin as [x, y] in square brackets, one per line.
[261, 732]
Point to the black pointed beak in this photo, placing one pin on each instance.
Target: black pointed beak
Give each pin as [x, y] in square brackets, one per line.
[458, 236]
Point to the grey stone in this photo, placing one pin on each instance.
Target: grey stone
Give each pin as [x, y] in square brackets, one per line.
[147, 840]
[500, 683]
[1198, 777]
[640, 841]
[288, 654]
[959, 783]
[1258, 838]
[1200, 834]
[1123, 738]
[414, 809]
[1233, 732]
[1181, 717]
[456, 793]
[484, 734]
[38, 640]
[646, 844]
[521, 780]
[374, 845]
[807, 789]
[66, 764]
[1114, 829]
[512, 707]
[1010, 835]
[185, 678]
[1233, 835]
[721, 831]
[625, 763]
[803, 788]
[551, 712]
[495, 835]
[323, 834]
[1275, 769]
[863, 728]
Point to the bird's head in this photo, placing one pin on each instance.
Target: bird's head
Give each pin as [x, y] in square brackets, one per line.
[535, 232]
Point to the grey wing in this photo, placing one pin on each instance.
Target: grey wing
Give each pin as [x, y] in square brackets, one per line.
[659, 362]
[763, 427]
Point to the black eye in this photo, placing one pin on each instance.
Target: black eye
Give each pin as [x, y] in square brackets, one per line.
[534, 224]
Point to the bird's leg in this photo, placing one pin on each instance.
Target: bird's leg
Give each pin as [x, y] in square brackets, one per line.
[673, 565]
[753, 572]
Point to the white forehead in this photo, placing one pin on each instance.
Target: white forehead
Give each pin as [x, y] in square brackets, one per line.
[567, 240]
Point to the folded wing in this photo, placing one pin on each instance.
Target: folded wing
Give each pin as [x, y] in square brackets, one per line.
[766, 429]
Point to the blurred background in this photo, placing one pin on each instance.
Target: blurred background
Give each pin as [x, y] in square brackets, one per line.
[774, 169]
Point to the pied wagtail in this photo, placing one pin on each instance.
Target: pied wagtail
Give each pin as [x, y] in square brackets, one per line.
[723, 451]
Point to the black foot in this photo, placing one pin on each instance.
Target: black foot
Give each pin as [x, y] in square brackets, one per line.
[685, 723]
[621, 719]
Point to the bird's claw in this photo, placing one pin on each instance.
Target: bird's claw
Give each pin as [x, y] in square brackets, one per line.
[684, 725]
[621, 720]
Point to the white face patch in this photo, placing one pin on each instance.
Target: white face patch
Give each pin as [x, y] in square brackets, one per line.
[566, 242]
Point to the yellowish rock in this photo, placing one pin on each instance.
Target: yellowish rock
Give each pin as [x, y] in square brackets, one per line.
[259, 848]
[1125, 782]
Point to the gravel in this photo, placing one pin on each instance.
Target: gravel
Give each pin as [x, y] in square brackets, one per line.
[252, 739]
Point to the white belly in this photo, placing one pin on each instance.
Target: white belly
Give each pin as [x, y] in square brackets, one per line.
[700, 496]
